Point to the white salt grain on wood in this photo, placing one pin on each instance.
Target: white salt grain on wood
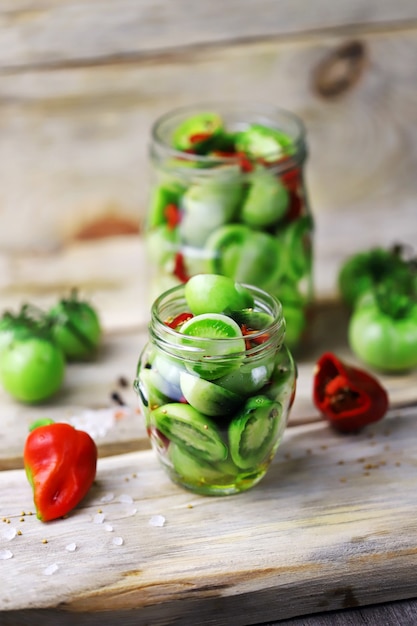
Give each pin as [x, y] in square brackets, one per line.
[126, 498]
[51, 569]
[118, 541]
[9, 533]
[157, 520]
[98, 518]
[71, 547]
[5, 554]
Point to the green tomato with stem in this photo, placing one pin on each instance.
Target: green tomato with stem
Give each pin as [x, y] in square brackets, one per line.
[32, 367]
[382, 331]
[76, 327]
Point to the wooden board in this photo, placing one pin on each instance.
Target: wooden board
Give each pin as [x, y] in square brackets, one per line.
[333, 524]
[74, 137]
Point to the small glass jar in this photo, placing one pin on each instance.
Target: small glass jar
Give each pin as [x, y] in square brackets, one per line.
[216, 409]
[228, 197]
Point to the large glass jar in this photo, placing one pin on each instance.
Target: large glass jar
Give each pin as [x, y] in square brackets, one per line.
[228, 196]
[216, 409]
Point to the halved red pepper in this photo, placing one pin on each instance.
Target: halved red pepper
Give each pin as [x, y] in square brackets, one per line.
[60, 464]
[348, 397]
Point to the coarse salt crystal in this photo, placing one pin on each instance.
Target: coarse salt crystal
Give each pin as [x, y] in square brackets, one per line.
[131, 513]
[108, 527]
[51, 569]
[9, 533]
[5, 554]
[71, 547]
[108, 497]
[157, 520]
[118, 541]
[126, 498]
[98, 518]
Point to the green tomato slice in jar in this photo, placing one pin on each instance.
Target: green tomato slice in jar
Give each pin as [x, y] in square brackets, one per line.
[217, 357]
[196, 130]
[263, 142]
[266, 201]
[252, 433]
[295, 241]
[197, 471]
[208, 397]
[206, 206]
[187, 427]
[245, 255]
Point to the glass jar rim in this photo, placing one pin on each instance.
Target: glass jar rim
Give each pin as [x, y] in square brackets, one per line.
[167, 338]
[262, 112]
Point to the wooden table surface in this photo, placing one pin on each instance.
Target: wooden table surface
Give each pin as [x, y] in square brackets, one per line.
[333, 524]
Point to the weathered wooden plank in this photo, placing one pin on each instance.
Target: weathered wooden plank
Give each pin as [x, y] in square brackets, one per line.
[73, 142]
[48, 33]
[332, 524]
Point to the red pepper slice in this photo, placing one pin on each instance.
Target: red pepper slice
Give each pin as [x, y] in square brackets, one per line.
[179, 269]
[60, 464]
[179, 319]
[172, 215]
[250, 340]
[198, 137]
[348, 397]
[245, 163]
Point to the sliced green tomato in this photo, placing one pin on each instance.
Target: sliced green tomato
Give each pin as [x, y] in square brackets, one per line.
[150, 395]
[295, 242]
[195, 130]
[187, 427]
[263, 142]
[208, 397]
[283, 379]
[162, 244]
[251, 318]
[195, 470]
[252, 433]
[163, 195]
[266, 202]
[245, 255]
[211, 293]
[217, 357]
[206, 206]
[295, 324]
[248, 378]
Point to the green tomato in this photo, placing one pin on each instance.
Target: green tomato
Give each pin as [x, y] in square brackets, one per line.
[76, 328]
[263, 142]
[196, 130]
[266, 202]
[32, 368]
[365, 270]
[381, 340]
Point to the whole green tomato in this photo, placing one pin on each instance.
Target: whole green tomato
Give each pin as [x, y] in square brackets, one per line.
[32, 367]
[76, 328]
[384, 337]
[364, 271]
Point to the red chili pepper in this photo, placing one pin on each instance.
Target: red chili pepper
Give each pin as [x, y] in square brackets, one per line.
[250, 340]
[245, 164]
[60, 464]
[295, 208]
[179, 319]
[179, 268]
[348, 397]
[173, 215]
[198, 137]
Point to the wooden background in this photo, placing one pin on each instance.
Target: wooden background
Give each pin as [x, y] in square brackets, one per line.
[81, 83]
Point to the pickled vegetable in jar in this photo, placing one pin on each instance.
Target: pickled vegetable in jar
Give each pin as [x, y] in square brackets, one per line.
[228, 197]
[216, 383]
